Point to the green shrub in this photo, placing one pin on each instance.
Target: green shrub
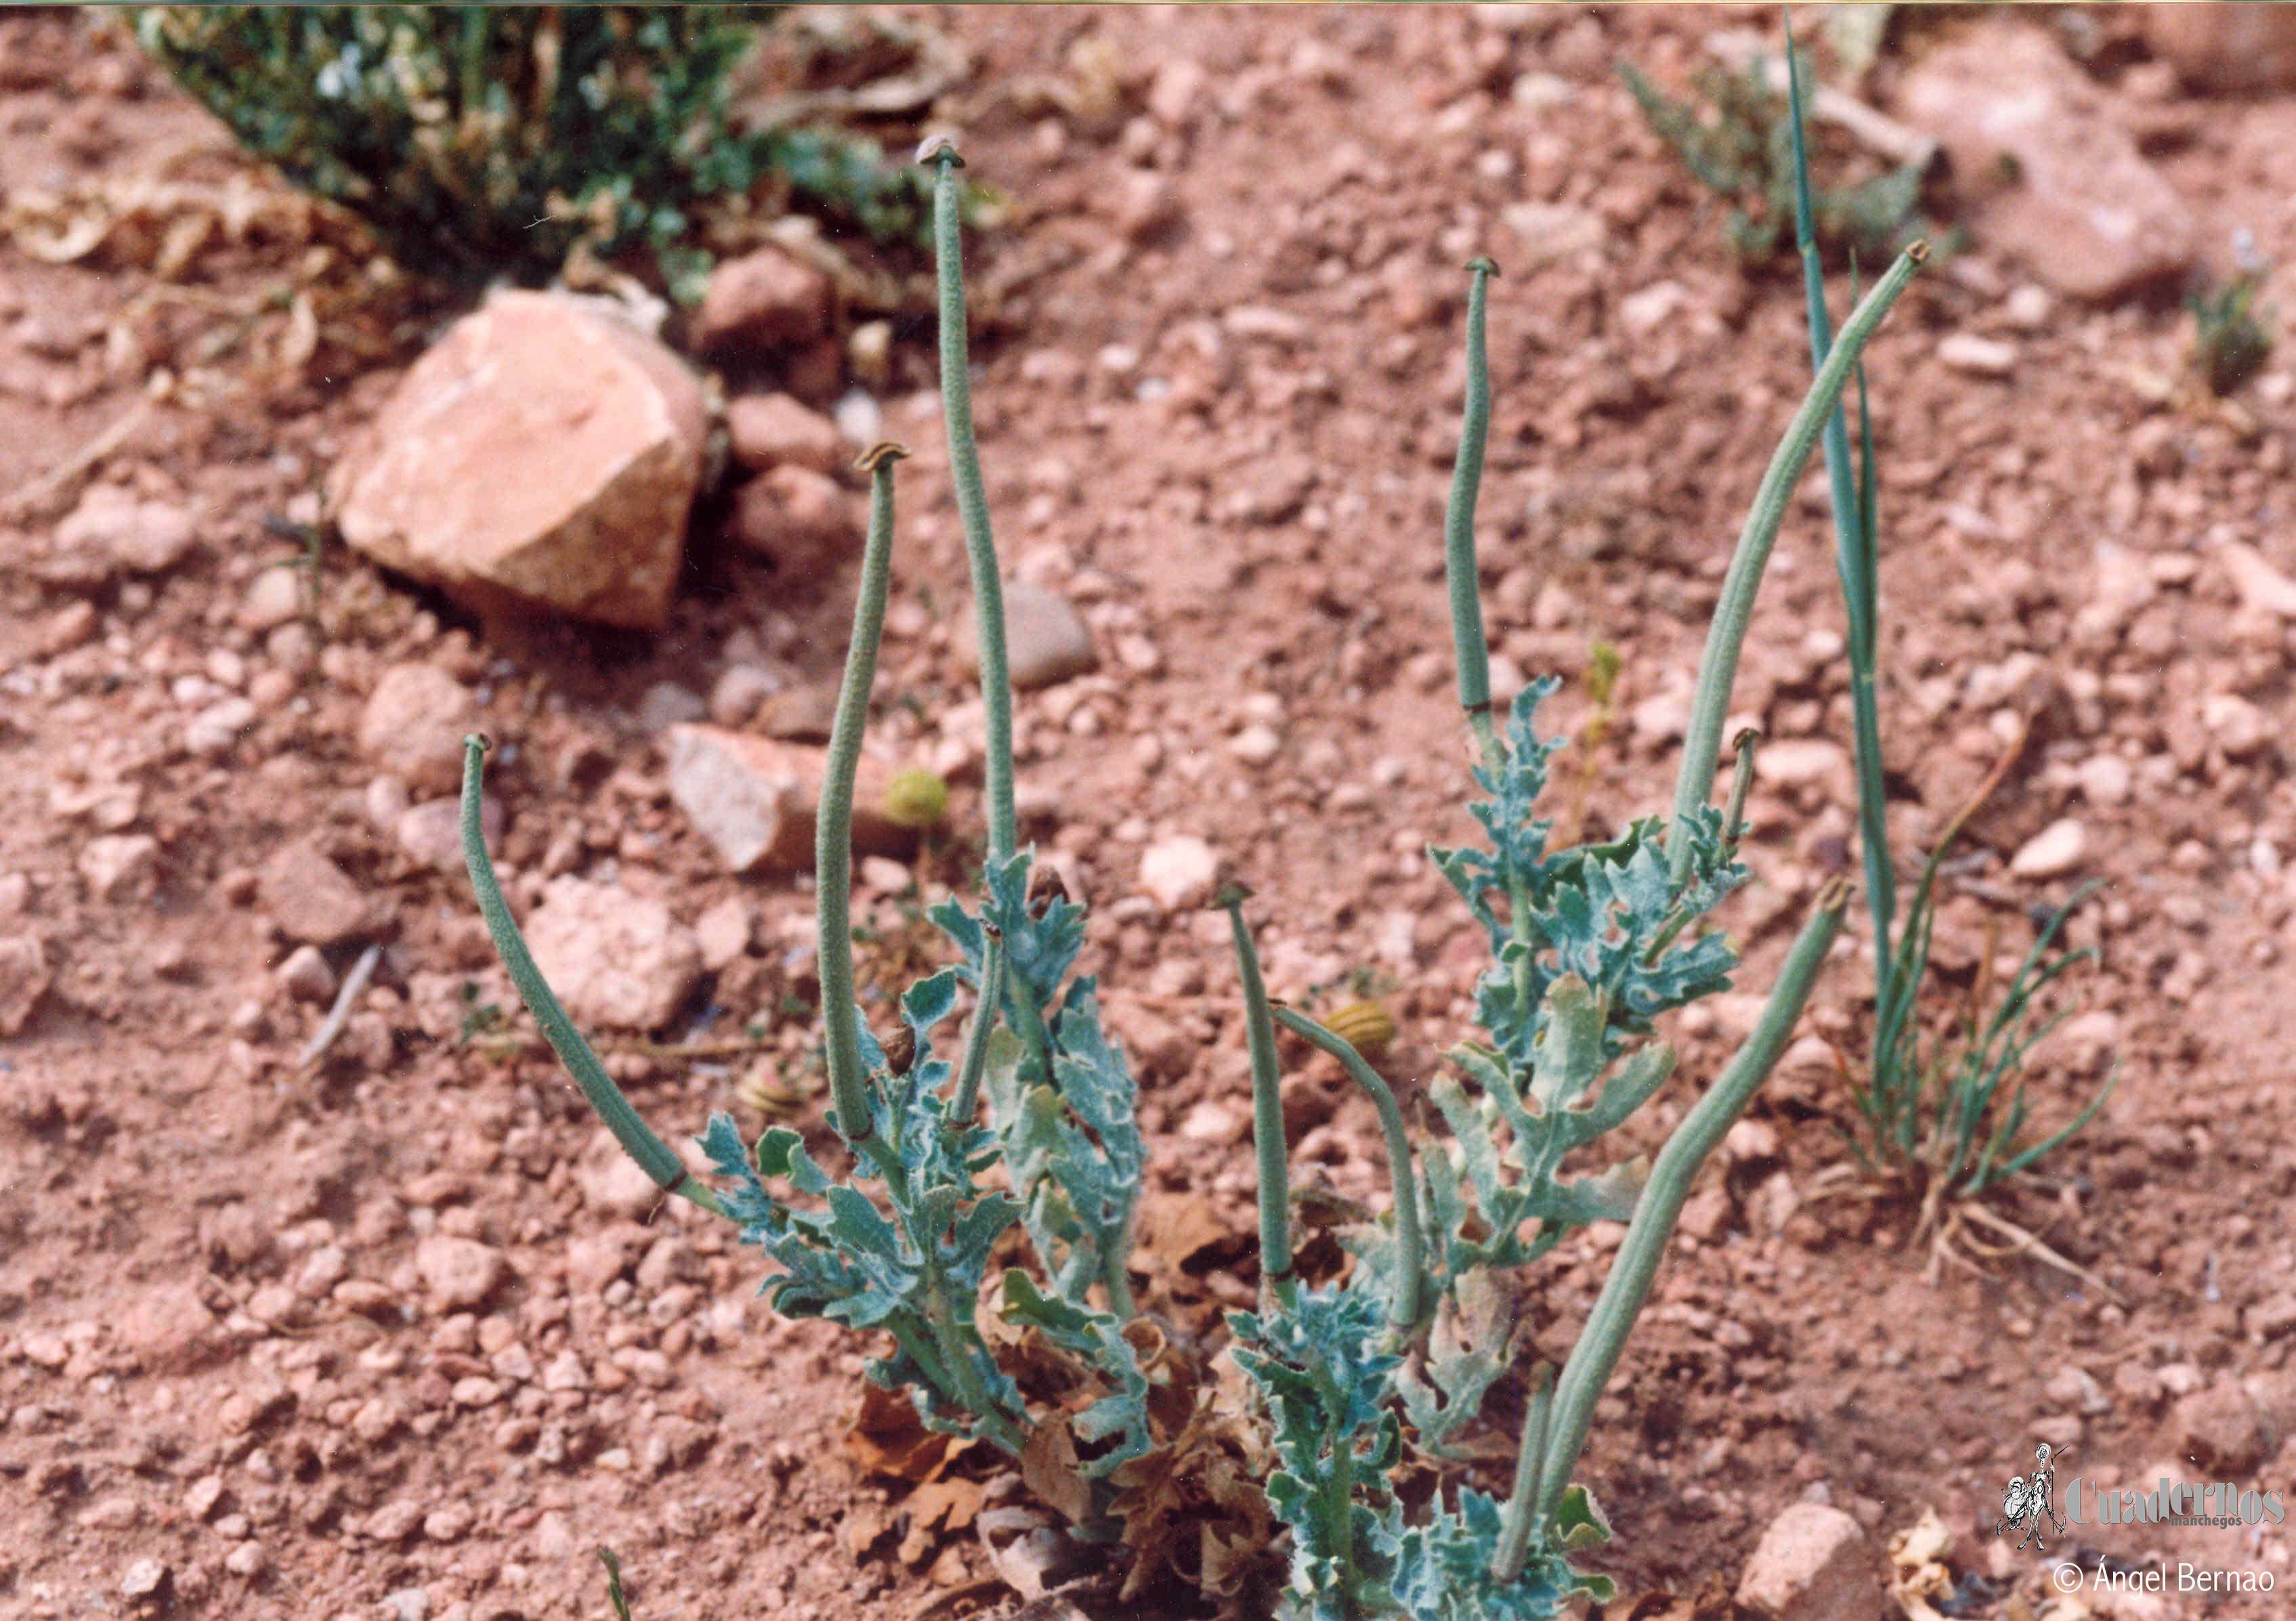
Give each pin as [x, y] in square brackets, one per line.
[1741, 147]
[484, 141]
[948, 1235]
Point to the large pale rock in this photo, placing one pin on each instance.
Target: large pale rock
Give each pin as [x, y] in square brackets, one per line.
[754, 799]
[2236, 48]
[1813, 1564]
[614, 958]
[413, 726]
[542, 457]
[2054, 179]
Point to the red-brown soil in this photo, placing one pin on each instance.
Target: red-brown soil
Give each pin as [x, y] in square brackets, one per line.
[1218, 411]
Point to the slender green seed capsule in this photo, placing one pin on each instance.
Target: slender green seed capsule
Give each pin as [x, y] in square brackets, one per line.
[1469, 647]
[1277, 1283]
[834, 824]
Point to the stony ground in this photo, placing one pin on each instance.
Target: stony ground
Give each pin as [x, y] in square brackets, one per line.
[392, 1332]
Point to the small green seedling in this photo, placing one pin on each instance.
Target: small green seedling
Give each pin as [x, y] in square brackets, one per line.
[2232, 334]
[1947, 1119]
[311, 541]
[614, 1594]
[987, 1199]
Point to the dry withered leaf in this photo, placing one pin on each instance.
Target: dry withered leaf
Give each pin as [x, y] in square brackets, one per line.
[1028, 1549]
[1918, 1571]
[1051, 1468]
[865, 1525]
[1177, 1240]
[1194, 1505]
[887, 1437]
[935, 1509]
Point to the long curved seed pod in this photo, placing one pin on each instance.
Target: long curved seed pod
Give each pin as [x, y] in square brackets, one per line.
[1717, 669]
[833, 847]
[1275, 1280]
[1468, 645]
[1596, 1354]
[972, 496]
[1410, 1239]
[654, 1157]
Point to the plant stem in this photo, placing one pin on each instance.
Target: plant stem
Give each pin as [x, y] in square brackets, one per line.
[940, 1311]
[832, 849]
[1856, 559]
[975, 1061]
[1717, 669]
[1410, 1242]
[1467, 641]
[1596, 1353]
[1516, 1525]
[654, 1157]
[1275, 1280]
[972, 499]
[1741, 783]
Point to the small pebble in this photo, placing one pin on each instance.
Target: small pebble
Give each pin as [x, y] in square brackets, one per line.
[306, 976]
[1256, 745]
[1978, 356]
[1178, 872]
[145, 1579]
[2055, 851]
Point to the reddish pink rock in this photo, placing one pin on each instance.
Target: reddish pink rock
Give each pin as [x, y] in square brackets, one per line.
[805, 522]
[754, 799]
[761, 301]
[2055, 176]
[543, 456]
[614, 958]
[778, 429]
[1813, 1564]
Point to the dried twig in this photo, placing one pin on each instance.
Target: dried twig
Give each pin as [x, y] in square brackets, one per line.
[1875, 130]
[339, 1015]
[28, 495]
[2022, 1240]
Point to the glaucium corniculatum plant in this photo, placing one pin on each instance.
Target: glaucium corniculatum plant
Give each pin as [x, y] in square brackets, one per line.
[1392, 1361]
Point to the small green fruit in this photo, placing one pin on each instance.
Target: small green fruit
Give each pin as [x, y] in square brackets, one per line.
[1367, 1025]
[915, 798]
